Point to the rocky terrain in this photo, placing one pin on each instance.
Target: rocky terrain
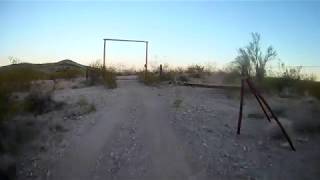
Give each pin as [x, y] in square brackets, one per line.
[166, 132]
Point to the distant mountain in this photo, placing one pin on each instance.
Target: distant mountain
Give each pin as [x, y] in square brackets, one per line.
[47, 67]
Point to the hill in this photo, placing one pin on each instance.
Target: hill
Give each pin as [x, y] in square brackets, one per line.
[46, 67]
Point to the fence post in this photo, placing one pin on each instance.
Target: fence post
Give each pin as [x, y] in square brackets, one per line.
[160, 70]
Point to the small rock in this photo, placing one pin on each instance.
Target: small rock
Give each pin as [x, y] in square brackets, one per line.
[226, 125]
[285, 144]
[226, 155]
[204, 144]
[48, 173]
[207, 129]
[30, 174]
[43, 148]
[300, 139]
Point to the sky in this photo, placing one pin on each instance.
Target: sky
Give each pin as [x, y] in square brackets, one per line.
[179, 33]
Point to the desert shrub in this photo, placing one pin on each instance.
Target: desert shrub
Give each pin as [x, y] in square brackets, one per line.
[291, 81]
[15, 78]
[82, 101]
[39, 99]
[183, 78]
[148, 78]
[38, 104]
[109, 78]
[153, 78]
[67, 73]
[295, 86]
[94, 76]
[195, 71]
[210, 68]
[18, 78]
[309, 87]
[231, 77]
[168, 75]
[273, 84]
[85, 106]
[97, 74]
[171, 74]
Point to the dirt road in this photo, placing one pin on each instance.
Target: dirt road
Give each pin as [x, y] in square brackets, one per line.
[133, 102]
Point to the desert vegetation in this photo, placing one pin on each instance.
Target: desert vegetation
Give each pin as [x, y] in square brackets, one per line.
[283, 81]
[27, 93]
[98, 74]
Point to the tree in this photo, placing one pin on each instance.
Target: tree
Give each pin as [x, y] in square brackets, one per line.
[13, 60]
[251, 58]
[242, 63]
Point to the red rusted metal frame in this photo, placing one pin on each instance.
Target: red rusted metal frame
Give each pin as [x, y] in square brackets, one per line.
[241, 106]
[255, 93]
[273, 115]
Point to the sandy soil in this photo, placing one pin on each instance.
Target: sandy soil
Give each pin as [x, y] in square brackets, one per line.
[165, 133]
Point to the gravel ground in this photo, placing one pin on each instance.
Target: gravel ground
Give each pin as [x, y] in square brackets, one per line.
[166, 132]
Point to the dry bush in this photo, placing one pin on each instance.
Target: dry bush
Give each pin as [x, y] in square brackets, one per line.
[85, 106]
[109, 78]
[18, 78]
[81, 107]
[168, 74]
[67, 73]
[195, 71]
[97, 74]
[40, 100]
[15, 79]
[149, 78]
[183, 78]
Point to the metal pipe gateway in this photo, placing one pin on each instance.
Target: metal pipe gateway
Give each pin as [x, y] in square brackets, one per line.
[125, 40]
